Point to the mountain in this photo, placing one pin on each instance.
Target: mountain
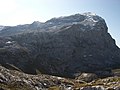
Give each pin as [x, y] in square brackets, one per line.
[1, 27]
[65, 46]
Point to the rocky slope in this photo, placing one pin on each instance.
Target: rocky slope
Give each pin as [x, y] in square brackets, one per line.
[14, 80]
[65, 46]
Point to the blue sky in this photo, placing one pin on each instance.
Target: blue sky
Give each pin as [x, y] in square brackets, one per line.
[14, 12]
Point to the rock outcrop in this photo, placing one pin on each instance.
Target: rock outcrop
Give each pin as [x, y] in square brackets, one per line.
[63, 46]
[87, 77]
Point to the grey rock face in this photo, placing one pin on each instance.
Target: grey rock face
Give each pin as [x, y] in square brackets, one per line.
[81, 43]
[1, 27]
[13, 30]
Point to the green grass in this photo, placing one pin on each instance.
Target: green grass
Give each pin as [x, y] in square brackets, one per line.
[38, 71]
[14, 86]
[3, 50]
[116, 70]
[54, 88]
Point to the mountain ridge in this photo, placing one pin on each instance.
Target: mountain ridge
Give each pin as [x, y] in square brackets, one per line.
[55, 23]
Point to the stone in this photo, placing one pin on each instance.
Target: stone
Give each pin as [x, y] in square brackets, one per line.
[93, 88]
[87, 77]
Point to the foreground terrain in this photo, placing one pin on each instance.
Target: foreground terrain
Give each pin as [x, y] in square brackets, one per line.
[15, 80]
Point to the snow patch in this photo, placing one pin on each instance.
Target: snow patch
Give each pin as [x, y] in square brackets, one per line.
[89, 20]
[68, 27]
[8, 42]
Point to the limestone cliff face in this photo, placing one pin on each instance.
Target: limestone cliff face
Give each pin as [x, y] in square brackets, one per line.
[66, 46]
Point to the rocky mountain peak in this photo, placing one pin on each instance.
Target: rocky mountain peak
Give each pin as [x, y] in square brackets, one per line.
[88, 19]
[91, 19]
